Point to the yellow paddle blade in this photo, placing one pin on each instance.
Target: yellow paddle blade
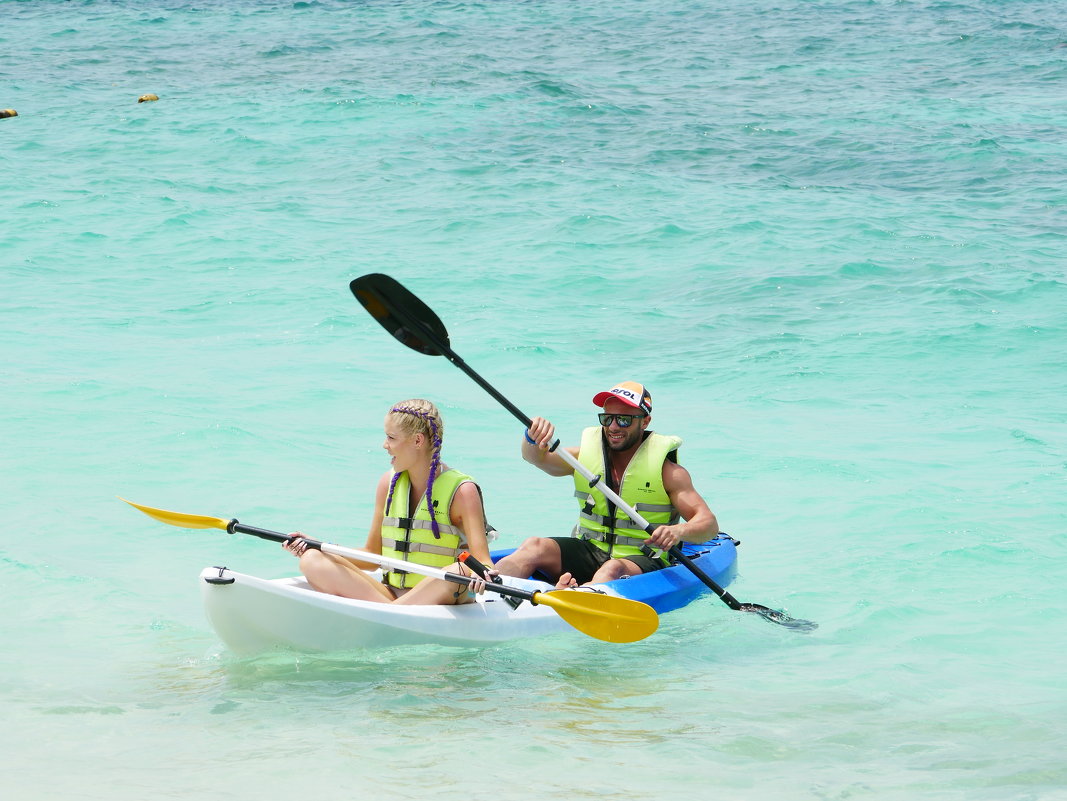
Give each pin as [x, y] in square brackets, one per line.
[602, 616]
[180, 519]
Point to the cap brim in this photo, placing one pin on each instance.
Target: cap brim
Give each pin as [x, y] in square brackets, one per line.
[602, 397]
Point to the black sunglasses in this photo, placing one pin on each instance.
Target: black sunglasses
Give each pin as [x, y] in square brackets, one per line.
[622, 420]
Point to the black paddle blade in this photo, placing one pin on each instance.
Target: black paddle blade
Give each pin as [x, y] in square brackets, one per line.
[401, 314]
[781, 618]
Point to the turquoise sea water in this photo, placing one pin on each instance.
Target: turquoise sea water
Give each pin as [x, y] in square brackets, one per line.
[830, 236]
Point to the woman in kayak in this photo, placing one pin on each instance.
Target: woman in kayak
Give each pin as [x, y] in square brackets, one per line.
[424, 512]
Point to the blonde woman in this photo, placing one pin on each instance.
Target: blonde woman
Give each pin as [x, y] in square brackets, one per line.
[424, 512]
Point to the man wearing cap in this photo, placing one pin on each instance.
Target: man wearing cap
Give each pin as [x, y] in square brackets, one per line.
[641, 467]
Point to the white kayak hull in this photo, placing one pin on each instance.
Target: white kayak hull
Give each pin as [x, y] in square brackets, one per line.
[253, 615]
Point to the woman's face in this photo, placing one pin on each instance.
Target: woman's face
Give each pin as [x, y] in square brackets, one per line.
[404, 449]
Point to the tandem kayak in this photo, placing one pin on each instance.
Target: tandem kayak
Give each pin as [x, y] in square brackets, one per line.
[253, 615]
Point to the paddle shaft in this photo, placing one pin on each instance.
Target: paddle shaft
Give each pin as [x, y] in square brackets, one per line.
[235, 527]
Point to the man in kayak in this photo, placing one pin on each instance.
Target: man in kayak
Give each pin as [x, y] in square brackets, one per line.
[641, 467]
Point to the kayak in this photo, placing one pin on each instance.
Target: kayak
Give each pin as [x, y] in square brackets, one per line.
[253, 615]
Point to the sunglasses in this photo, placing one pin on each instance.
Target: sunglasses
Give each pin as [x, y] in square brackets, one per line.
[621, 420]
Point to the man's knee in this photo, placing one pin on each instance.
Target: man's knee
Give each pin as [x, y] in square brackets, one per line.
[614, 569]
[534, 554]
[539, 546]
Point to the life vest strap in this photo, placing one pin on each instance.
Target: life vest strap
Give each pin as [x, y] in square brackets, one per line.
[584, 533]
[625, 523]
[656, 507]
[621, 523]
[410, 523]
[406, 546]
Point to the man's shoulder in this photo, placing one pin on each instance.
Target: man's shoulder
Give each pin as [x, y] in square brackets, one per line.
[674, 473]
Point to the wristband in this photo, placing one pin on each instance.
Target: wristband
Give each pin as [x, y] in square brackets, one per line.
[526, 434]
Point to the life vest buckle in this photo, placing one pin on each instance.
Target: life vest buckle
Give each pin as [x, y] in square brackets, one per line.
[650, 552]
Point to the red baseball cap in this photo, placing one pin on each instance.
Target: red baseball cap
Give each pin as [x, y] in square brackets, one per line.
[629, 392]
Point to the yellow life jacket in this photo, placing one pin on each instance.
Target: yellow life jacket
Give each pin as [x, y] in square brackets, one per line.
[411, 538]
[610, 529]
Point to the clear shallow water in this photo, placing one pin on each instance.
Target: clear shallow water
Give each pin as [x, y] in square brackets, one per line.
[829, 236]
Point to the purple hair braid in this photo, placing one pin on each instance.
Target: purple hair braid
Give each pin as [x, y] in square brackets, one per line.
[392, 486]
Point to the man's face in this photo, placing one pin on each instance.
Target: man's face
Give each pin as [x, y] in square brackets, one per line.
[619, 438]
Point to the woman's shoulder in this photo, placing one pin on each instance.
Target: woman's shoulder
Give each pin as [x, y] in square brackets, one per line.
[384, 481]
[468, 490]
[466, 502]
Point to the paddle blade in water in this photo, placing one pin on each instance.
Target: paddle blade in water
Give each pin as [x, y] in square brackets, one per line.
[180, 519]
[602, 616]
[781, 618]
[401, 313]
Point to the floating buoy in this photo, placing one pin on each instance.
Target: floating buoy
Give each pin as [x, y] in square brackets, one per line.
[8, 112]
[146, 98]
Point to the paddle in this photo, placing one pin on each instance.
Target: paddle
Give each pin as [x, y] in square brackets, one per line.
[604, 617]
[414, 323]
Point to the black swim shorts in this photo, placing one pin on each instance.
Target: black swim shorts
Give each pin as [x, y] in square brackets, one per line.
[582, 559]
